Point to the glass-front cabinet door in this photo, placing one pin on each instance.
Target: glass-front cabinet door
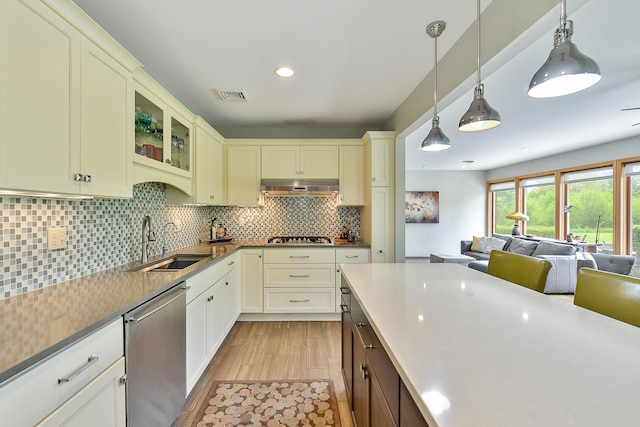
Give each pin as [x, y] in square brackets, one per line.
[161, 137]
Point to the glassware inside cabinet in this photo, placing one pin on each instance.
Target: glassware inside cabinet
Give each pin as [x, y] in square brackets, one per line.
[180, 145]
[149, 128]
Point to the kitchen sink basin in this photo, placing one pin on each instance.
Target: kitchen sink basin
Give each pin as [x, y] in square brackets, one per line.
[173, 263]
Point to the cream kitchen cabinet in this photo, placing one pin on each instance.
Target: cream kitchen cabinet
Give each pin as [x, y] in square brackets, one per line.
[209, 179]
[66, 110]
[380, 157]
[376, 216]
[351, 173]
[100, 403]
[348, 256]
[302, 162]
[381, 225]
[212, 308]
[243, 175]
[251, 280]
[163, 136]
[299, 280]
[70, 385]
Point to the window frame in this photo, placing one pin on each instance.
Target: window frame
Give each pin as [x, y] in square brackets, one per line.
[621, 200]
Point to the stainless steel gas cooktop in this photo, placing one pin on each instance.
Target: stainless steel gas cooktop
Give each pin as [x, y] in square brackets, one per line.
[300, 240]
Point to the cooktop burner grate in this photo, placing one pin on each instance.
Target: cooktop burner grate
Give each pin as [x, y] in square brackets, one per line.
[302, 240]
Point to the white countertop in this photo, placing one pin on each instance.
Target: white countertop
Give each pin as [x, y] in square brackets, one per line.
[475, 350]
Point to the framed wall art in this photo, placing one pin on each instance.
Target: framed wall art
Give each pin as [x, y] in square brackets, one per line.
[422, 207]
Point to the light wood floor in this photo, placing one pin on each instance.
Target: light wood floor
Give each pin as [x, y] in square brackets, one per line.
[275, 351]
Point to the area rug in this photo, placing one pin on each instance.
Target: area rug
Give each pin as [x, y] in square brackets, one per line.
[269, 404]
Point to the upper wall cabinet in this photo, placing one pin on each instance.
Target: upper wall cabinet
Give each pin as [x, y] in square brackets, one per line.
[243, 175]
[66, 109]
[351, 176]
[163, 132]
[303, 162]
[379, 157]
[209, 179]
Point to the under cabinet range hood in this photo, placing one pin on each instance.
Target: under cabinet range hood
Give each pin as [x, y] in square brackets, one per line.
[292, 187]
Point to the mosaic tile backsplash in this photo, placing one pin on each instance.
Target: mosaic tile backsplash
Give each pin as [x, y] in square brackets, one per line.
[103, 234]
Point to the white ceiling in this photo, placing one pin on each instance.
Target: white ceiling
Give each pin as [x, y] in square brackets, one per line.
[356, 62]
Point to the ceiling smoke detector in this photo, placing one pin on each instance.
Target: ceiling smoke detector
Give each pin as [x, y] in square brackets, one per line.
[231, 95]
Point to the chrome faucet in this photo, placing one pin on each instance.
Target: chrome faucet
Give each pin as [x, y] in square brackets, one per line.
[164, 238]
[147, 237]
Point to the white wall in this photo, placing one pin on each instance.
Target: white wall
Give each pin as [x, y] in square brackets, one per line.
[462, 211]
[622, 149]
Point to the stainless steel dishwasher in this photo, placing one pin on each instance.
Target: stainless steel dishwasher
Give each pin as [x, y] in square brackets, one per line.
[156, 359]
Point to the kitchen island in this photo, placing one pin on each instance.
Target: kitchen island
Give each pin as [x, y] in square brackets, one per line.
[476, 350]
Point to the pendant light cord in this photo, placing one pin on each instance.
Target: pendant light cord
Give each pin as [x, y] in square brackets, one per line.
[435, 85]
[479, 79]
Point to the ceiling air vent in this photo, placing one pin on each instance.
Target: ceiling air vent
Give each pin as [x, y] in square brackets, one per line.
[231, 95]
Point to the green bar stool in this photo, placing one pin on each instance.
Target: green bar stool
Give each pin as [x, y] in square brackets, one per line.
[611, 294]
[522, 270]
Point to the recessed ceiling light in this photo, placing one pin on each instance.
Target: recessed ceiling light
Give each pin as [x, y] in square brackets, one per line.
[285, 72]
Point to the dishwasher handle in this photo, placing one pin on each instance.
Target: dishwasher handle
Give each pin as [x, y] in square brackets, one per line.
[140, 318]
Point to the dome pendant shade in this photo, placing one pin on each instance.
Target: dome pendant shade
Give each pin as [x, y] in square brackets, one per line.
[436, 140]
[480, 115]
[566, 71]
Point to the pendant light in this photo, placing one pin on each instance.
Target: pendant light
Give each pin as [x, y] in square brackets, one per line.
[480, 115]
[566, 70]
[436, 140]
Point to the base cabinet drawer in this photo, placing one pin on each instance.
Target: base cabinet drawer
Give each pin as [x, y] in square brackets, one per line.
[300, 256]
[312, 300]
[286, 275]
[100, 404]
[50, 383]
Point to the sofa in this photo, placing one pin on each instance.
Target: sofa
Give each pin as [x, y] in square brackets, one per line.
[565, 259]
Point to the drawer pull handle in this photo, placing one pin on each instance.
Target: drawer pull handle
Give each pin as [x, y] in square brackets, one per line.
[298, 256]
[352, 256]
[299, 300]
[68, 378]
[360, 324]
[298, 275]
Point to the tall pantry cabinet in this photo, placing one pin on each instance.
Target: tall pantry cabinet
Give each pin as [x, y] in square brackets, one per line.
[66, 110]
[376, 216]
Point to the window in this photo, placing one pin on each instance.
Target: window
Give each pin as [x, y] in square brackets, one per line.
[632, 172]
[589, 207]
[540, 205]
[504, 202]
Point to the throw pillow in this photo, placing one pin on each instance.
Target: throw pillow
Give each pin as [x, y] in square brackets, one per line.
[474, 244]
[635, 268]
[552, 248]
[488, 244]
[522, 247]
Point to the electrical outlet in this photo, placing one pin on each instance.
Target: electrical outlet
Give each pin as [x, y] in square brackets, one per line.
[241, 221]
[56, 238]
[178, 224]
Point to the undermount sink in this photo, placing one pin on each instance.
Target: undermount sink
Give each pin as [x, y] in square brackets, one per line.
[173, 263]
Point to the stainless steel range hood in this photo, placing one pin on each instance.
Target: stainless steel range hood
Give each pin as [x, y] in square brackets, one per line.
[300, 187]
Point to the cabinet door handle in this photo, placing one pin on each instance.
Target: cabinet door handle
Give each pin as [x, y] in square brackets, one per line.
[344, 291]
[77, 177]
[298, 256]
[90, 361]
[86, 178]
[298, 275]
[299, 300]
[210, 298]
[231, 263]
[344, 307]
[363, 371]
